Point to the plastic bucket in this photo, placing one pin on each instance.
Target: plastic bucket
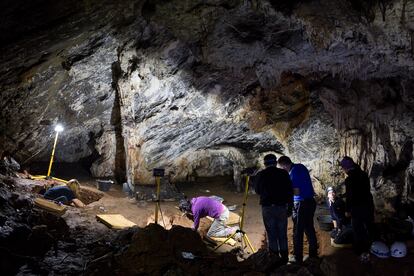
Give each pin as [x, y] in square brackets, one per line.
[104, 185]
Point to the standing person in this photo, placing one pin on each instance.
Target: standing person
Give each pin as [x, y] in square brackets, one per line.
[274, 187]
[203, 206]
[359, 206]
[304, 206]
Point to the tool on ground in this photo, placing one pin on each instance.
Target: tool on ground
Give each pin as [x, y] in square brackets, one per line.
[240, 231]
[158, 173]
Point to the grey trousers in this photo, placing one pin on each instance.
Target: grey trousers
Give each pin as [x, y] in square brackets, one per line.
[219, 228]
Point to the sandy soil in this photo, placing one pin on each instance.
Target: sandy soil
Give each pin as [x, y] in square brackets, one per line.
[142, 212]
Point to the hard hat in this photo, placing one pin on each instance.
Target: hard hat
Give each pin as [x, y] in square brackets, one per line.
[380, 249]
[330, 189]
[398, 249]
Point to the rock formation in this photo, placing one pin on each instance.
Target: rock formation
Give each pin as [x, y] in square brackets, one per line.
[206, 88]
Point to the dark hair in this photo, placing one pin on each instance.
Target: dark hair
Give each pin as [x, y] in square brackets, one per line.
[185, 206]
[270, 159]
[284, 160]
[347, 163]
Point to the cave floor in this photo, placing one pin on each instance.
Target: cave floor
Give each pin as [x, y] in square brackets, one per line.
[334, 261]
[338, 261]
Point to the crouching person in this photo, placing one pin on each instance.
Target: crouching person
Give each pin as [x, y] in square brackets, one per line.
[203, 206]
[68, 194]
[337, 211]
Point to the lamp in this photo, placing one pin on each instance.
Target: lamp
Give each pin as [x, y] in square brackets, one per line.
[58, 128]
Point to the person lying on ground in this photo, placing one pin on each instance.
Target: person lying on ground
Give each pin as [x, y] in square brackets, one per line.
[203, 206]
[68, 194]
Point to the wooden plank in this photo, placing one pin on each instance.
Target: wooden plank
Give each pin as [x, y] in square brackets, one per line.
[50, 206]
[220, 240]
[115, 221]
[233, 219]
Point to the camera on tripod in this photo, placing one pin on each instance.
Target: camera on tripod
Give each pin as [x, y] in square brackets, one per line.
[249, 171]
[158, 172]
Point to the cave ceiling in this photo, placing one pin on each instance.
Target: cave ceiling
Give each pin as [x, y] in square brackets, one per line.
[207, 88]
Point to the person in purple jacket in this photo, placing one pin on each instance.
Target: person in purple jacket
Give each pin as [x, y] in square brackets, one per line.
[203, 206]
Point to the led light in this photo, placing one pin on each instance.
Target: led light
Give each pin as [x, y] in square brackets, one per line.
[58, 128]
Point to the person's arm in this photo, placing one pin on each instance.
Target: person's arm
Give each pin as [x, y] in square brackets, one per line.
[196, 220]
[78, 203]
[257, 184]
[295, 177]
[348, 197]
[290, 195]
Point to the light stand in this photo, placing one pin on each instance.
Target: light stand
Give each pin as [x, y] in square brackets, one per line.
[158, 173]
[245, 238]
[58, 128]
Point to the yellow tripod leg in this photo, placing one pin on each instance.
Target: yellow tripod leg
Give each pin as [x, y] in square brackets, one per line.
[157, 180]
[226, 240]
[247, 241]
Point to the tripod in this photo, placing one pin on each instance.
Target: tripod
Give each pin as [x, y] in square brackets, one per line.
[244, 236]
[158, 173]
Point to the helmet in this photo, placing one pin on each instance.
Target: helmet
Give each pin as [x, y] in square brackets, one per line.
[380, 249]
[184, 205]
[398, 249]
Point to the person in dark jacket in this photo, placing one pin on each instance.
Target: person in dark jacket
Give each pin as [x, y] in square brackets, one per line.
[337, 210]
[304, 207]
[359, 206]
[274, 187]
[66, 194]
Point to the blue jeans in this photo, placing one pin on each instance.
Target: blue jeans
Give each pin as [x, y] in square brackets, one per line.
[275, 222]
[302, 217]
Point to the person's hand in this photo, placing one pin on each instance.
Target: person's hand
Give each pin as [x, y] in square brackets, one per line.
[348, 214]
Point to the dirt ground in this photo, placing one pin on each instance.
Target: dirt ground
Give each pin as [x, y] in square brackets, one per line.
[335, 261]
[332, 261]
[142, 212]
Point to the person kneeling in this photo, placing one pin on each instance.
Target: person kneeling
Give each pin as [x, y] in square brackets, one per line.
[68, 194]
[203, 206]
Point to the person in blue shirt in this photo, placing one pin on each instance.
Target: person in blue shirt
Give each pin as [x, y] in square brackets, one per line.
[304, 206]
[67, 194]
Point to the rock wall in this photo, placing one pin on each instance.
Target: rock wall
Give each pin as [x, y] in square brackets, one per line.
[206, 88]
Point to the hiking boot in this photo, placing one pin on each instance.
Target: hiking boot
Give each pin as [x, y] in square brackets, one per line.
[284, 257]
[238, 236]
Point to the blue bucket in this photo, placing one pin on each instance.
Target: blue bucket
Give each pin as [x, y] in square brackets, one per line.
[104, 185]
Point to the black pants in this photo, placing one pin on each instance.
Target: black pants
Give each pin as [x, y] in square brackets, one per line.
[362, 219]
[302, 216]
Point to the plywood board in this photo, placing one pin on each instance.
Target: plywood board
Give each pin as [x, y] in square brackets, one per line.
[50, 206]
[221, 240]
[233, 219]
[115, 221]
